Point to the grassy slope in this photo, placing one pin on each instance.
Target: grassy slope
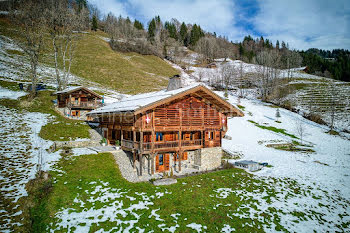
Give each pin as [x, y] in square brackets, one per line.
[60, 129]
[190, 196]
[94, 60]
[126, 72]
[194, 198]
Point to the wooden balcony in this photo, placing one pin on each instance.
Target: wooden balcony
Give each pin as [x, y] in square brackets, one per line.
[163, 146]
[85, 105]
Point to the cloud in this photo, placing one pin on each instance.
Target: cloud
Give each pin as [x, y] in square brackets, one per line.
[214, 16]
[305, 24]
[106, 6]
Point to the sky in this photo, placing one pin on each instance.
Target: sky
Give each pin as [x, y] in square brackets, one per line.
[303, 24]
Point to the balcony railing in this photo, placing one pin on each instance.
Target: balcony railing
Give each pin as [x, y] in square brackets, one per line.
[161, 145]
[130, 144]
[85, 104]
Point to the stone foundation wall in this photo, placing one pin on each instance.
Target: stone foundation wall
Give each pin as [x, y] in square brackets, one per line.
[210, 158]
[203, 159]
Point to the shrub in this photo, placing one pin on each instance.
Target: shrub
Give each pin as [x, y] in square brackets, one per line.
[315, 118]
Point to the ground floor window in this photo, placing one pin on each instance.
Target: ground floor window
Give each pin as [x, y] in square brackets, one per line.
[160, 159]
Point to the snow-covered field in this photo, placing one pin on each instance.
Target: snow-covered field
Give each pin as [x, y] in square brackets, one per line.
[327, 171]
[20, 149]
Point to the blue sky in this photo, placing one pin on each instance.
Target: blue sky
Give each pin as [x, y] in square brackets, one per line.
[303, 24]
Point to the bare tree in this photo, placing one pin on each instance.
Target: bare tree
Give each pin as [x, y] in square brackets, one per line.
[64, 24]
[228, 73]
[242, 82]
[334, 102]
[268, 71]
[28, 16]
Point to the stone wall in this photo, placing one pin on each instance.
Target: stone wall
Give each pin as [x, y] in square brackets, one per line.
[203, 159]
[210, 158]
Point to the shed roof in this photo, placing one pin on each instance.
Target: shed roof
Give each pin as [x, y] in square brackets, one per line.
[76, 88]
[143, 102]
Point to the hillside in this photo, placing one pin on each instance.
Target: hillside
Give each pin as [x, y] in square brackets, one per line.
[96, 62]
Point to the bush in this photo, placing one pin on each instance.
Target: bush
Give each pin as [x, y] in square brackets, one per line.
[137, 46]
[315, 118]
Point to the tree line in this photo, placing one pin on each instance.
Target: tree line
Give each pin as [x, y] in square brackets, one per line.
[331, 64]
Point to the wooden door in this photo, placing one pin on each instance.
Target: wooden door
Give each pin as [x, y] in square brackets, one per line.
[209, 138]
[162, 162]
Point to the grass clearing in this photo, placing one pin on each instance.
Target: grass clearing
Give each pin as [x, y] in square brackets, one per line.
[89, 194]
[274, 129]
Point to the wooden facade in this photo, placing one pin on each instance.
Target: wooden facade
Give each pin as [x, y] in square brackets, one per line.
[189, 120]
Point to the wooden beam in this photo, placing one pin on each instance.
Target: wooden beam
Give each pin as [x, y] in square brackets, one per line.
[140, 161]
[180, 158]
[152, 163]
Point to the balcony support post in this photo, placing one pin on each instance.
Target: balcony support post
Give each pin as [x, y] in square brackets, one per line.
[140, 161]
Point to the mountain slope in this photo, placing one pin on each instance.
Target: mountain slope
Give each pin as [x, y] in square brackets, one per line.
[95, 61]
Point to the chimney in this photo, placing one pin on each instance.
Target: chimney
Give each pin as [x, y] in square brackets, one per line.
[174, 83]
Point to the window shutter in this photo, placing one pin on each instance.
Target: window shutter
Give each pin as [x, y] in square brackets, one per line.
[157, 163]
[166, 161]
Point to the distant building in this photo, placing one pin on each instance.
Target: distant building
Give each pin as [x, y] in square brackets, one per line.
[76, 102]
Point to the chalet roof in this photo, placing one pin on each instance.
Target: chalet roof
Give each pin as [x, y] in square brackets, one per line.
[143, 102]
[76, 88]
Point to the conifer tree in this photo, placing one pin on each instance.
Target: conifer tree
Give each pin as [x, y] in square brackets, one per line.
[151, 29]
[94, 23]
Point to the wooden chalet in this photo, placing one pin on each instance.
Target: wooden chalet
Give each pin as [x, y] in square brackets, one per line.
[75, 102]
[165, 125]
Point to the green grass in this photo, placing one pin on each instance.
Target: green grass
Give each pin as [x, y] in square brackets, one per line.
[96, 61]
[241, 107]
[186, 197]
[59, 129]
[15, 52]
[274, 129]
[194, 198]
[9, 85]
[294, 149]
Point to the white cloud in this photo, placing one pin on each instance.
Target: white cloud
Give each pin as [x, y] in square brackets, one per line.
[302, 23]
[106, 6]
[210, 14]
[305, 24]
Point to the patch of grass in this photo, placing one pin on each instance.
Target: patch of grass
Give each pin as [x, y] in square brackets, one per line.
[9, 85]
[241, 107]
[274, 129]
[294, 149]
[333, 132]
[15, 52]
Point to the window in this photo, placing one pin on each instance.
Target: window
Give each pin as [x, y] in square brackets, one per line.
[160, 159]
[113, 134]
[212, 135]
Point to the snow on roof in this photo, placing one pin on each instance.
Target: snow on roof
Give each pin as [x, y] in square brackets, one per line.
[74, 88]
[138, 101]
[69, 89]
